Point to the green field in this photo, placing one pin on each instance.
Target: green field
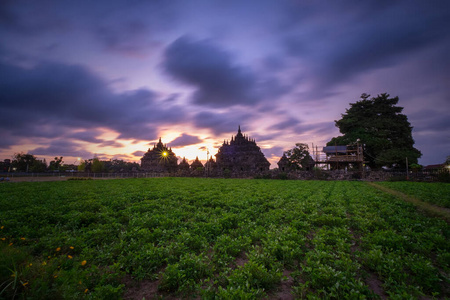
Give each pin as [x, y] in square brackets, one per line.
[437, 193]
[218, 239]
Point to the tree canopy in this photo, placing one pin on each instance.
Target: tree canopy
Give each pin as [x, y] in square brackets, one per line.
[25, 162]
[383, 130]
[299, 157]
[56, 164]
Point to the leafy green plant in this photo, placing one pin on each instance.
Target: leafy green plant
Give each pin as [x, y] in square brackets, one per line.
[184, 275]
[217, 238]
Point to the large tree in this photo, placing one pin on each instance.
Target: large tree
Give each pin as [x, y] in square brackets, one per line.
[380, 126]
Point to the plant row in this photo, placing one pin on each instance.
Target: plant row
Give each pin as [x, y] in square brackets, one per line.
[214, 238]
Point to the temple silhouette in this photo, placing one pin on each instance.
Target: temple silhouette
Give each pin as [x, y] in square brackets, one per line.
[239, 157]
[160, 159]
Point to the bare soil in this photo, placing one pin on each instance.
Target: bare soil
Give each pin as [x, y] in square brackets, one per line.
[376, 285]
[38, 178]
[285, 290]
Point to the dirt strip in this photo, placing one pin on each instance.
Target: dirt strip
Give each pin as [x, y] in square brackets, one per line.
[36, 178]
[54, 178]
[428, 208]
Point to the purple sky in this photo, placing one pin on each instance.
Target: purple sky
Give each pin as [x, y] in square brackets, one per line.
[108, 78]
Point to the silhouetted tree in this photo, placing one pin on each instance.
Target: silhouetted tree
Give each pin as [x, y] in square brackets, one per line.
[118, 165]
[299, 157]
[28, 163]
[82, 166]
[56, 164]
[383, 130]
[97, 165]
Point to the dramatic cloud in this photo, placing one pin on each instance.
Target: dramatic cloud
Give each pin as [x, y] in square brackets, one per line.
[27, 22]
[113, 144]
[138, 153]
[220, 123]
[290, 123]
[50, 98]
[430, 121]
[202, 64]
[110, 77]
[62, 148]
[7, 140]
[130, 38]
[382, 38]
[274, 151]
[185, 140]
[87, 136]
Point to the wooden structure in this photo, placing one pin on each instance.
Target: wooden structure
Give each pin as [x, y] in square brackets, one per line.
[338, 157]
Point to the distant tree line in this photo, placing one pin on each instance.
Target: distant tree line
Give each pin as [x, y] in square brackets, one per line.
[95, 165]
[26, 162]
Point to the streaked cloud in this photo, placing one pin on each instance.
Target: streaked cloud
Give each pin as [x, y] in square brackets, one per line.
[111, 77]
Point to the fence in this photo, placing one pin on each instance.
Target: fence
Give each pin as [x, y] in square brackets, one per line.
[379, 175]
[85, 175]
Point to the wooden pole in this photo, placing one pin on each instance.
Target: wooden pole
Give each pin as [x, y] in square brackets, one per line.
[407, 175]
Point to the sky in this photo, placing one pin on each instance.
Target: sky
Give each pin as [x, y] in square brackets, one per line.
[80, 79]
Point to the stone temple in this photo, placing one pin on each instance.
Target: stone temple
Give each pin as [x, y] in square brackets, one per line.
[160, 159]
[241, 157]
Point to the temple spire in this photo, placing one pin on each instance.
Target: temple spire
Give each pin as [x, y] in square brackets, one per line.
[239, 135]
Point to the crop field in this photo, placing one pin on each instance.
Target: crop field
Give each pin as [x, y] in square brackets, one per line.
[437, 193]
[219, 239]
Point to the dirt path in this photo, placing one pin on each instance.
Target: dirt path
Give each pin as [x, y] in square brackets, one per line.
[37, 178]
[52, 178]
[427, 208]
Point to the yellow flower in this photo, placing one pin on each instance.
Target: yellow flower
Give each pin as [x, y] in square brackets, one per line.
[86, 290]
[55, 276]
[2, 227]
[3, 239]
[70, 257]
[10, 244]
[58, 249]
[24, 284]
[44, 263]
[30, 264]
[83, 262]
[71, 247]
[22, 238]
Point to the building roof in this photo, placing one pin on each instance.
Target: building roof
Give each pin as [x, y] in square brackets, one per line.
[335, 149]
[432, 167]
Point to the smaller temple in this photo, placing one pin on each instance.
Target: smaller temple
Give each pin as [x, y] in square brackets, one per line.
[184, 165]
[211, 168]
[196, 164]
[284, 164]
[160, 159]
